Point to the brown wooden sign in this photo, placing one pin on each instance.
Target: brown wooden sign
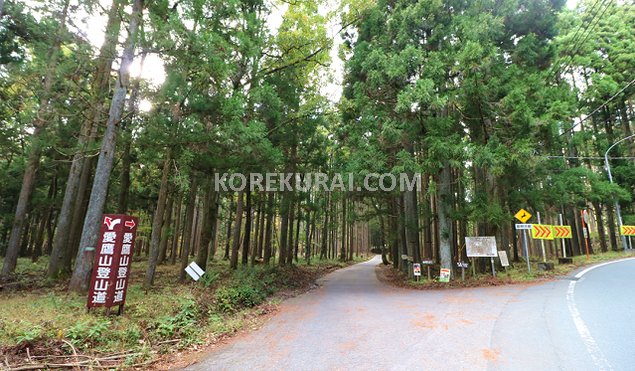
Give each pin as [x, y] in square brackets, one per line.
[113, 256]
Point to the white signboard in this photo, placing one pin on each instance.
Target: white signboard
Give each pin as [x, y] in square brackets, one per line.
[503, 257]
[481, 247]
[194, 271]
[523, 226]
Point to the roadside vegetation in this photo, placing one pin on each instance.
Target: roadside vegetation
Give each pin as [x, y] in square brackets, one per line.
[516, 273]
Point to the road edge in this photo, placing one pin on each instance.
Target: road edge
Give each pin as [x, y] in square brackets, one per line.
[583, 331]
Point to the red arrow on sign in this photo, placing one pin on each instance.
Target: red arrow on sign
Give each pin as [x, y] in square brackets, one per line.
[130, 224]
[110, 223]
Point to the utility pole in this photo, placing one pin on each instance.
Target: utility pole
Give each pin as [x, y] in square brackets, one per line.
[608, 170]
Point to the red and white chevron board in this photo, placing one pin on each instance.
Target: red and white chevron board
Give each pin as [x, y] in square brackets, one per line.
[541, 232]
[562, 231]
[627, 230]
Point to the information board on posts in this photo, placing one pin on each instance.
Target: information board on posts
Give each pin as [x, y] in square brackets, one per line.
[481, 247]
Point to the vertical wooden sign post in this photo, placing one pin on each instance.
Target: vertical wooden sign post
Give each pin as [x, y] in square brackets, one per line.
[585, 232]
[428, 263]
[113, 255]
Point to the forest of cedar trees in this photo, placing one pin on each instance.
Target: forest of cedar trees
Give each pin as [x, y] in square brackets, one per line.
[133, 107]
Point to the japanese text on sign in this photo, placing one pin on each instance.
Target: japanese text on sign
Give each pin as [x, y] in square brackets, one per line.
[112, 261]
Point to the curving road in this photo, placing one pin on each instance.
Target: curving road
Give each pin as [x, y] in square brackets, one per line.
[582, 322]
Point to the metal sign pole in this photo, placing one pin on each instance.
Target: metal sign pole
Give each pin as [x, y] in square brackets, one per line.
[493, 269]
[526, 250]
[564, 250]
[542, 242]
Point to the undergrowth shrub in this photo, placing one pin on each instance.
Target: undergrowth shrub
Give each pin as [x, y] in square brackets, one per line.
[250, 287]
[181, 324]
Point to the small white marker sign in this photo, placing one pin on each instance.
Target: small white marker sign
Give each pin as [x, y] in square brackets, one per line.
[194, 271]
[502, 255]
[523, 226]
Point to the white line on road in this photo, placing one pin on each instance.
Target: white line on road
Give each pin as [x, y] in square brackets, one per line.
[590, 344]
[596, 353]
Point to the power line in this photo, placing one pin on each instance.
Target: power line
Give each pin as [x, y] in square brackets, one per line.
[591, 157]
[575, 40]
[577, 43]
[599, 108]
[608, 3]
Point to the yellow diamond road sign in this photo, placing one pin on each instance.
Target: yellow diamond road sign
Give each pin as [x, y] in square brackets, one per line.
[523, 215]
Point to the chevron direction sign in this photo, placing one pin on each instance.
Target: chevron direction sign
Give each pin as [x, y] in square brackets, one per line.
[562, 231]
[627, 230]
[541, 232]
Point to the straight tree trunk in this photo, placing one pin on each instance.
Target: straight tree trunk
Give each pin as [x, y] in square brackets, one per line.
[612, 230]
[284, 229]
[401, 236]
[230, 220]
[412, 224]
[248, 217]
[445, 224]
[35, 152]
[268, 229]
[325, 230]
[296, 242]
[343, 239]
[601, 231]
[157, 223]
[393, 240]
[79, 209]
[254, 251]
[290, 234]
[177, 229]
[44, 222]
[215, 225]
[165, 229]
[81, 274]
[233, 264]
[261, 233]
[63, 244]
[307, 236]
[209, 213]
[126, 158]
[187, 225]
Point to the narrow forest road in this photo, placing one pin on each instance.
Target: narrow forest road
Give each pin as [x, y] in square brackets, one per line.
[356, 322]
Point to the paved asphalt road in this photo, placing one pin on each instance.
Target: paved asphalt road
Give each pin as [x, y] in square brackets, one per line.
[583, 322]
